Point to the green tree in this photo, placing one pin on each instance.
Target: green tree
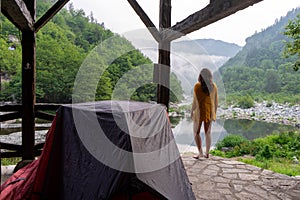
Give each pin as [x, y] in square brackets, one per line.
[58, 61]
[292, 48]
[10, 57]
[267, 64]
[272, 81]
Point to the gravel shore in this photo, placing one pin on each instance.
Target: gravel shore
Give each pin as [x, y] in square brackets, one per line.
[275, 113]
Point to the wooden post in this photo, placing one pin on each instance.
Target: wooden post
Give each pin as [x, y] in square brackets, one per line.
[28, 94]
[28, 87]
[163, 92]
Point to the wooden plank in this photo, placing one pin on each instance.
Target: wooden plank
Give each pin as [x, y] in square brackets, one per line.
[39, 146]
[8, 146]
[47, 106]
[38, 106]
[16, 11]
[10, 116]
[145, 19]
[37, 152]
[45, 116]
[11, 154]
[216, 10]
[10, 107]
[49, 14]
[16, 115]
[163, 92]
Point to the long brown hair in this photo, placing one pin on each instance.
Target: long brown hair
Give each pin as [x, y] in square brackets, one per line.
[205, 78]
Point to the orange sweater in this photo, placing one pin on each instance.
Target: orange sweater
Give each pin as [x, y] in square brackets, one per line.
[204, 107]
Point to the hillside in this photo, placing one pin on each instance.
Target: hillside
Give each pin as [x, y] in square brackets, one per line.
[260, 70]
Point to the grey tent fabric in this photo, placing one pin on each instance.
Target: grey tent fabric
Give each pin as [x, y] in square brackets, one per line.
[114, 149]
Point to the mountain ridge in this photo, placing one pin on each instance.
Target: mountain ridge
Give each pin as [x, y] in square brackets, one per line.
[208, 46]
[263, 39]
[260, 70]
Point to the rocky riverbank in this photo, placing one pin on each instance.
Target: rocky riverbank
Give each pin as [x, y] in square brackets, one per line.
[275, 113]
[16, 138]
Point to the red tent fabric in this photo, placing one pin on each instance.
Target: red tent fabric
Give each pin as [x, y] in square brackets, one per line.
[27, 181]
[20, 184]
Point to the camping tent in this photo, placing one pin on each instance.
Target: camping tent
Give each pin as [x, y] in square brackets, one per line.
[105, 150]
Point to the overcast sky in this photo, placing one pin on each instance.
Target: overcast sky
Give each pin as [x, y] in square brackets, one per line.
[119, 17]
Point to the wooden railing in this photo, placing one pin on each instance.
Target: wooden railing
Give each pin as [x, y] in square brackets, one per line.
[14, 111]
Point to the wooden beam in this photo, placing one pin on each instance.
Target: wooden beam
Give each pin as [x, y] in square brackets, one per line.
[145, 19]
[16, 11]
[163, 91]
[49, 14]
[28, 43]
[216, 10]
[28, 93]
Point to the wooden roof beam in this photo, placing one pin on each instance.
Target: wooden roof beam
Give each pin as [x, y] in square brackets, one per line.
[16, 11]
[49, 14]
[216, 10]
[146, 20]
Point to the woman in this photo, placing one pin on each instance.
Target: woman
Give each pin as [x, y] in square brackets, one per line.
[204, 109]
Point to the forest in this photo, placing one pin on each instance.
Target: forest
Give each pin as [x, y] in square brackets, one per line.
[261, 71]
[69, 41]
[72, 39]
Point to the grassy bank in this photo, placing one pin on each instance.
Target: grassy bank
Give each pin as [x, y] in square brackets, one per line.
[277, 152]
[10, 161]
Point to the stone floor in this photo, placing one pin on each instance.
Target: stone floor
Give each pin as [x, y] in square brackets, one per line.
[6, 172]
[220, 178]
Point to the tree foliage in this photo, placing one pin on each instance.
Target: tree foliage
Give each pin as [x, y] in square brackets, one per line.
[292, 48]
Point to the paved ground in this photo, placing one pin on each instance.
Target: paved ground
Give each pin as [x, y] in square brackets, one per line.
[6, 171]
[219, 178]
[4, 178]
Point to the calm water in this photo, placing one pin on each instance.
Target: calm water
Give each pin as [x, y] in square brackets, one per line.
[183, 131]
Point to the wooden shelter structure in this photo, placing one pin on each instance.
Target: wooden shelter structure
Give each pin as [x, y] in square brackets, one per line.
[22, 13]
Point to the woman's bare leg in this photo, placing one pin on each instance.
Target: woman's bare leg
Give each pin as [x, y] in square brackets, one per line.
[197, 128]
[207, 131]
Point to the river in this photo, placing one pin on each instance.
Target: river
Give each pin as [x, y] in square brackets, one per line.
[250, 129]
